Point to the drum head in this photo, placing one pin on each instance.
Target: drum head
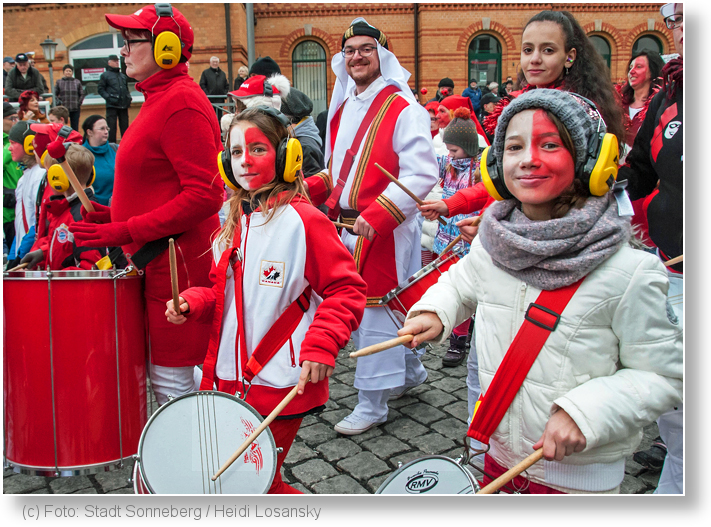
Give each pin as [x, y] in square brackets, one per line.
[430, 475]
[188, 439]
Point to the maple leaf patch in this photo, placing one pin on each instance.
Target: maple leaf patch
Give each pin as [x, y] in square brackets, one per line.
[271, 274]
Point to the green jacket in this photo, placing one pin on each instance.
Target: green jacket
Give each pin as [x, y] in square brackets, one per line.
[10, 175]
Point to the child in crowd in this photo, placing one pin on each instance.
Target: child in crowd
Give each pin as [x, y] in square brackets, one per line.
[458, 170]
[610, 360]
[23, 153]
[54, 247]
[274, 251]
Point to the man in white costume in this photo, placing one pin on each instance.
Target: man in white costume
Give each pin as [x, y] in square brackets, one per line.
[374, 118]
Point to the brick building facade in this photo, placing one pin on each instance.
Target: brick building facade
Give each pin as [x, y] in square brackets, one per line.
[431, 40]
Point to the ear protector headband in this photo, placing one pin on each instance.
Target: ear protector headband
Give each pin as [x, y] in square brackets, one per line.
[167, 46]
[58, 180]
[598, 172]
[27, 144]
[289, 155]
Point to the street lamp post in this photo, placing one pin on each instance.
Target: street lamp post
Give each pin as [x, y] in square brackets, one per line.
[48, 49]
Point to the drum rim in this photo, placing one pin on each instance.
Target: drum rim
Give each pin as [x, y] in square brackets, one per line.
[65, 275]
[419, 275]
[475, 484]
[66, 471]
[250, 408]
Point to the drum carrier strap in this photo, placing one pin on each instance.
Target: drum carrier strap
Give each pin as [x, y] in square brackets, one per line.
[272, 341]
[541, 319]
[332, 202]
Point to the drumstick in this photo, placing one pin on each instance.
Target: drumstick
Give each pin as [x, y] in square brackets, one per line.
[174, 275]
[342, 225]
[77, 186]
[512, 473]
[375, 348]
[674, 261]
[455, 241]
[259, 429]
[406, 190]
[21, 266]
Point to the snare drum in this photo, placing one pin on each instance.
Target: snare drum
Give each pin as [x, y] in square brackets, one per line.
[430, 475]
[189, 438]
[75, 370]
[399, 301]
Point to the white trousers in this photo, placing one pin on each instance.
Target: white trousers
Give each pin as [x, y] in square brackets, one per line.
[174, 381]
[671, 424]
[377, 374]
[473, 390]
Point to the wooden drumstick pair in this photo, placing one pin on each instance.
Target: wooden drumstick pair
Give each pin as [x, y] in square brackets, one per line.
[77, 186]
[406, 190]
[259, 430]
[174, 275]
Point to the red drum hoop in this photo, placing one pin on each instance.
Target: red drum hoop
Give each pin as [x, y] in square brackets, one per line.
[75, 370]
[399, 301]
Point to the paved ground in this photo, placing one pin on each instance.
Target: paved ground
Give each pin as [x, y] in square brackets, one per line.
[430, 419]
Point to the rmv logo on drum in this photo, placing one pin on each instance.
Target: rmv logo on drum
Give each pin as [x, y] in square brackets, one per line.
[422, 482]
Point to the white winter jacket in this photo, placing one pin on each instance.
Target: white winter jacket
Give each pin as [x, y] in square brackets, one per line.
[614, 363]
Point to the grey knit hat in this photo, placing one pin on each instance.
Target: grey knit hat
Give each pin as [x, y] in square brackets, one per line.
[462, 132]
[20, 130]
[297, 105]
[575, 112]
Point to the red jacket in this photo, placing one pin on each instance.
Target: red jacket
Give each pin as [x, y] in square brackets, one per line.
[55, 240]
[468, 200]
[299, 247]
[166, 182]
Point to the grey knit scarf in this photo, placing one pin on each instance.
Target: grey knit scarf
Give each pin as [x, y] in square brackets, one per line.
[553, 253]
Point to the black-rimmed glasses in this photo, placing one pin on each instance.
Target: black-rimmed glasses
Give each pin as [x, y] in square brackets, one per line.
[365, 51]
[129, 41]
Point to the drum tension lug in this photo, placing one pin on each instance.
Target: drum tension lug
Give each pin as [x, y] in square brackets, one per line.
[171, 397]
[135, 457]
[119, 465]
[279, 450]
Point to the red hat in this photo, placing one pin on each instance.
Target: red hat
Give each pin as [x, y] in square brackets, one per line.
[432, 106]
[456, 101]
[46, 133]
[146, 18]
[255, 86]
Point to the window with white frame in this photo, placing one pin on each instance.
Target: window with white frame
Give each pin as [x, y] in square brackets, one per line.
[89, 58]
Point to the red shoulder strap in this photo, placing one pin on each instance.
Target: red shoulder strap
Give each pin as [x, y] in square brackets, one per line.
[542, 317]
[277, 335]
[332, 202]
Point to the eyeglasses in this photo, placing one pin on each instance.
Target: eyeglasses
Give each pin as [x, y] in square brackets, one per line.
[674, 21]
[365, 51]
[128, 42]
[13, 118]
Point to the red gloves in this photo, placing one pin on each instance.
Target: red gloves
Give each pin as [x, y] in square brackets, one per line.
[102, 214]
[57, 149]
[98, 235]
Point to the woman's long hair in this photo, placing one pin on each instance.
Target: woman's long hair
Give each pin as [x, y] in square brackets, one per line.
[589, 75]
[272, 195]
[24, 100]
[655, 62]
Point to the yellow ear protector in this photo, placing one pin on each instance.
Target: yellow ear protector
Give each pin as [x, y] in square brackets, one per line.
[598, 173]
[27, 144]
[289, 156]
[167, 46]
[58, 180]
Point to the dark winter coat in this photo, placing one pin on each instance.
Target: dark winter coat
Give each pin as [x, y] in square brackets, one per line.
[113, 87]
[214, 82]
[15, 84]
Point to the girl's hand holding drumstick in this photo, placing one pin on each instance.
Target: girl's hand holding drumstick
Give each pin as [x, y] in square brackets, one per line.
[468, 228]
[424, 327]
[433, 209]
[173, 316]
[315, 371]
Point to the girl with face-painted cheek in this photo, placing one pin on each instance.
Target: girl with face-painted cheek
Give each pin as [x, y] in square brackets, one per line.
[578, 401]
[267, 260]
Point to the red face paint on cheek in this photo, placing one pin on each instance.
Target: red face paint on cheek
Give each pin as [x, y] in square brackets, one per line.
[548, 150]
[260, 158]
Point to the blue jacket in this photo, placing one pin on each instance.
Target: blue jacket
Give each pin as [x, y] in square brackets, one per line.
[475, 96]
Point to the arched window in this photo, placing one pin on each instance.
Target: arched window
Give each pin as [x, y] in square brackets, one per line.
[648, 43]
[309, 73]
[89, 58]
[603, 48]
[485, 60]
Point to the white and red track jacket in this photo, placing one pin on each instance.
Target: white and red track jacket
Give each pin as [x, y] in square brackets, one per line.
[298, 247]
